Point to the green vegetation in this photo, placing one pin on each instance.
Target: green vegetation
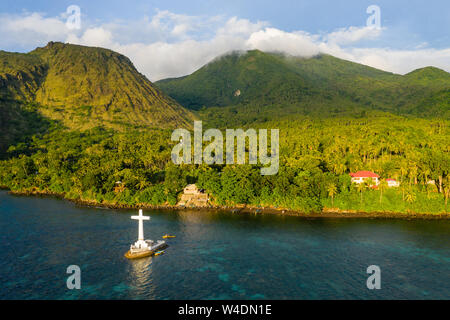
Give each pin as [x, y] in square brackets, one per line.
[334, 117]
[83, 87]
[242, 88]
[134, 167]
[18, 123]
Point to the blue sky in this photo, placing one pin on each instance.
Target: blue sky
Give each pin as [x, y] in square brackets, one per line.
[414, 33]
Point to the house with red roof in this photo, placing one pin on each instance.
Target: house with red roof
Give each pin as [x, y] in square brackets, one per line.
[361, 176]
[392, 183]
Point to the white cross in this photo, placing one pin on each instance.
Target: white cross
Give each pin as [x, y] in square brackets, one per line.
[141, 218]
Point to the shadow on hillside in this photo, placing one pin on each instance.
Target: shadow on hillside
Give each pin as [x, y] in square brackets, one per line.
[19, 122]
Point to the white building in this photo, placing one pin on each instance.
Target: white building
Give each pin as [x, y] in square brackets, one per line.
[392, 183]
[361, 176]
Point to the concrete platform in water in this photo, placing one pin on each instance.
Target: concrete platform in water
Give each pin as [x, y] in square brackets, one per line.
[143, 248]
[135, 253]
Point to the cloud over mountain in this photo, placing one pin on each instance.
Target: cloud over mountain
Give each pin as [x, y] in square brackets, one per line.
[170, 45]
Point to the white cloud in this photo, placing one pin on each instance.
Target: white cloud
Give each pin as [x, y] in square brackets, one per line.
[345, 36]
[175, 24]
[271, 39]
[241, 27]
[170, 45]
[96, 37]
[30, 29]
[163, 59]
[399, 61]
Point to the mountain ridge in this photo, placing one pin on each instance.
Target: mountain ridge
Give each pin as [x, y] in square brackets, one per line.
[87, 86]
[322, 85]
[78, 88]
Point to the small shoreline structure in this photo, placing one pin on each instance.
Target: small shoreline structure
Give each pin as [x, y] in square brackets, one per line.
[193, 197]
[143, 248]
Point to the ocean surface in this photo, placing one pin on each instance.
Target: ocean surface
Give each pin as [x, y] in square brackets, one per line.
[216, 255]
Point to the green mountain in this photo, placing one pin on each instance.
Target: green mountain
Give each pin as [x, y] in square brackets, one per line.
[80, 87]
[86, 86]
[256, 86]
[334, 117]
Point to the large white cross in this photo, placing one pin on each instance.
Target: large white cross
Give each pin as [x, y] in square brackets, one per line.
[141, 218]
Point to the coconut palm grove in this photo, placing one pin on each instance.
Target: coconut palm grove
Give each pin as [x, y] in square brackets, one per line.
[73, 128]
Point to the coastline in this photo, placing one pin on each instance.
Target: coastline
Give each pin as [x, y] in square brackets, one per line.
[243, 209]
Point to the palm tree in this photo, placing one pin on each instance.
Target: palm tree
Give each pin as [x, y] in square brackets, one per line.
[413, 174]
[426, 173]
[446, 191]
[332, 190]
[446, 196]
[369, 182]
[410, 196]
[429, 188]
[403, 172]
[403, 189]
[382, 186]
[142, 184]
[360, 187]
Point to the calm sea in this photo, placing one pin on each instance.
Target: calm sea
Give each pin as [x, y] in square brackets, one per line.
[216, 255]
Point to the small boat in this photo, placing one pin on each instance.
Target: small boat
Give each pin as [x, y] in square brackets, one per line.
[168, 236]
[150, 249]
[159, 253]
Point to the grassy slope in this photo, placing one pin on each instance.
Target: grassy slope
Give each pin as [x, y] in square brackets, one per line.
[20, 77]
[79, 87]
[84, 87]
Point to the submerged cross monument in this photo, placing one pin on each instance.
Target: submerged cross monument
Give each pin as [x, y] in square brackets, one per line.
[143, 248]
[140, 243]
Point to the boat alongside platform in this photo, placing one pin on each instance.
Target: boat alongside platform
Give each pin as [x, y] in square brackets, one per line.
[144, 248]
[135, 253]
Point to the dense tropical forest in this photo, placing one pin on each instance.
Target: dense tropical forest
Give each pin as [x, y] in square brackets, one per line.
[134, 167]
[334, 117]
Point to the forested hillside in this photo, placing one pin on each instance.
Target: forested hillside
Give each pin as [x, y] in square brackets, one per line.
[245, 87]
[315, 159]
[80, 87]
[334, 117]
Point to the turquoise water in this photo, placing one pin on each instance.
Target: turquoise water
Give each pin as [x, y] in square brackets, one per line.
[216, 255]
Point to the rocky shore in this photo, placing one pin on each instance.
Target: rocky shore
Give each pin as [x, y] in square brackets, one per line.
[246, 209]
